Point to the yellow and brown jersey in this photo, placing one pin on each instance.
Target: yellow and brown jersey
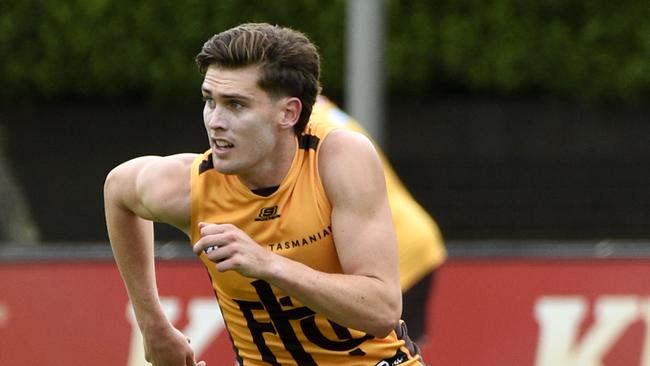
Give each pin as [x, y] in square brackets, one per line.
[266, 326]
[421, 247]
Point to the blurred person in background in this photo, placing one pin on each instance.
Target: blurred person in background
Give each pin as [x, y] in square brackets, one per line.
[16, 223]
[301, 250]
[421, 246]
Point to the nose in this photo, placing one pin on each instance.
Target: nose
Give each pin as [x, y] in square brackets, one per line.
[215, 118]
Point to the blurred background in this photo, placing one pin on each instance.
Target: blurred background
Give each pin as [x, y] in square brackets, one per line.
[525, 123]
[507, 119]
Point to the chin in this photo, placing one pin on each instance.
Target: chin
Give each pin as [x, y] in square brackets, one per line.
[225, 169]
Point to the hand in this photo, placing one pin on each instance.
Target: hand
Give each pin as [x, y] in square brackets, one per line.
[168, 347]
[232, 249]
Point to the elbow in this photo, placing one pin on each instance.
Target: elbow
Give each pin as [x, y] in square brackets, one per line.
[115, 185]
[109, 181]
[382, 327]
[117, 180]
[112, 180]
[389, 319]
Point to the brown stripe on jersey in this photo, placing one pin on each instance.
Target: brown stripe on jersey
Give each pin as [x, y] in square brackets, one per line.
[206, 164]
[308, 142]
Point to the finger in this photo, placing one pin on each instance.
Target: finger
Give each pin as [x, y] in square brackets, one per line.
[214, 253]
[206, 228]
[202, 245]
[198, 249]
[202, 228]
[217, 254]
[210, 228]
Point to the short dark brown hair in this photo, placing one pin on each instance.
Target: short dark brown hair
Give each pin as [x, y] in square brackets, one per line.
[288, 60]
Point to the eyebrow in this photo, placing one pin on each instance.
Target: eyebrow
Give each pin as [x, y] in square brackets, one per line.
[226, 96]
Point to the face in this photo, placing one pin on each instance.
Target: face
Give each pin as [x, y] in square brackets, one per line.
[242, 121]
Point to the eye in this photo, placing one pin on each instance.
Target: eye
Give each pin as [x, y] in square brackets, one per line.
[209, 102]
[235, 105]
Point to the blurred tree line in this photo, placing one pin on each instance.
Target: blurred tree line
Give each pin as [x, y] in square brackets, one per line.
[97, 50]
[79, 57]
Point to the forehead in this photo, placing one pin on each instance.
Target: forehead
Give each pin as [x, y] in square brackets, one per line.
[243, 80]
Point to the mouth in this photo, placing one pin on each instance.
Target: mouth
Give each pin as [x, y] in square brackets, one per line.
[222, 144]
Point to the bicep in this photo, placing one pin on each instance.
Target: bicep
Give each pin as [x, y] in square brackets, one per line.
[361, 221]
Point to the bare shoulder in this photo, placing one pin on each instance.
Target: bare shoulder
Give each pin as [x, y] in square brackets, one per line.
[348, 163]
[164, 187]
[151, 165]
[343, 141]
[171, 166]
[155, 187]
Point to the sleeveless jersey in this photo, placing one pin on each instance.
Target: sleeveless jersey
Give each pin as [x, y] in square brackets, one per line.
[266, 326]
[421, 247]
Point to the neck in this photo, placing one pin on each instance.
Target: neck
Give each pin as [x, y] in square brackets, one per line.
[272, 171]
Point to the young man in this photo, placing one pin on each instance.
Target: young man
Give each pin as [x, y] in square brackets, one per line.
[290, 219]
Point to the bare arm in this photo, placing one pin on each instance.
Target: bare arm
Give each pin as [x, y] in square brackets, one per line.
[136, 193]
[367, 295]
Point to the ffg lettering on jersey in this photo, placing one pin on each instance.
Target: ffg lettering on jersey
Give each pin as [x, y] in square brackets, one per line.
[280, 325]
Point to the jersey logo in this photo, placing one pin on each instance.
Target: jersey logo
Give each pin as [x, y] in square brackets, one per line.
[281, 311]
[268, 213]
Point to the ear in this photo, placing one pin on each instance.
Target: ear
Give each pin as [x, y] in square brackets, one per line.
[291, 109]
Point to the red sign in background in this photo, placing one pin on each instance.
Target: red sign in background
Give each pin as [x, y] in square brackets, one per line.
[483, 312]
[76, 313]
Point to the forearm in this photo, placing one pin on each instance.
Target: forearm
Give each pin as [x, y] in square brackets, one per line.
[132, 247]
[131, 239]
[360, 302]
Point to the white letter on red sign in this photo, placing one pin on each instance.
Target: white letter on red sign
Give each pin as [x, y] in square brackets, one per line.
[559, 319]
[204, 325]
